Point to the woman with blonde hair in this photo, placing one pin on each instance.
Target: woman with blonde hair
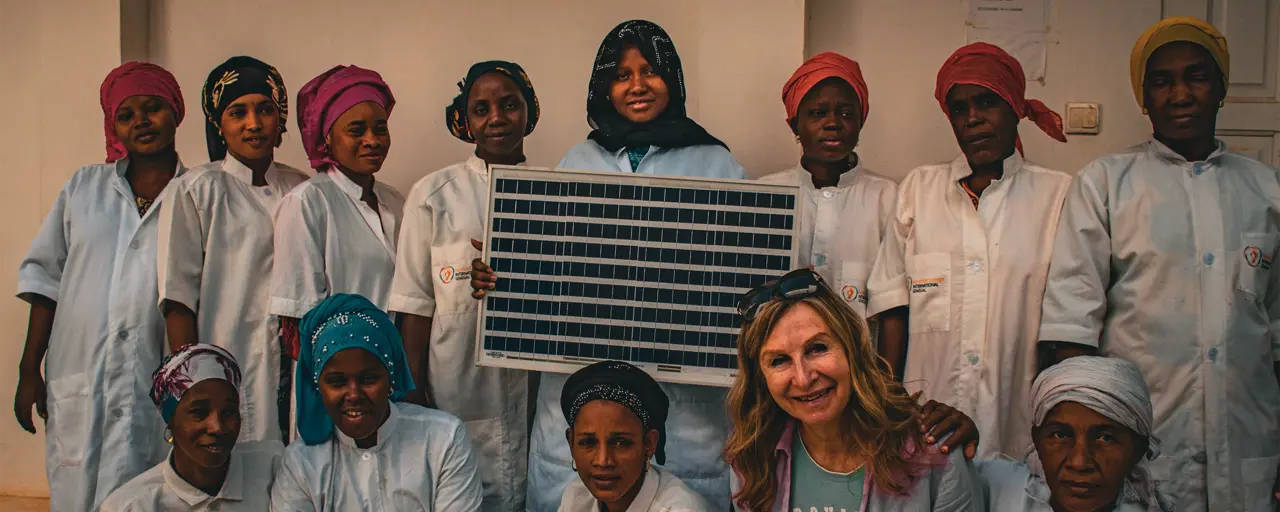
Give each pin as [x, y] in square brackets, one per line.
[818, 420]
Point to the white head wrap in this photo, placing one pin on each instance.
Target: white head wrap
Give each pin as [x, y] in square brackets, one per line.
[1113, 388]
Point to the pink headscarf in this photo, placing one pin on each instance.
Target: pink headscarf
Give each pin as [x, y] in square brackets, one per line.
[818, 68]
[135, 79]
[327, 96]
[988, 66]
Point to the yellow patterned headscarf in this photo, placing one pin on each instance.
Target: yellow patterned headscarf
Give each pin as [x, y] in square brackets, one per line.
[1169, 30]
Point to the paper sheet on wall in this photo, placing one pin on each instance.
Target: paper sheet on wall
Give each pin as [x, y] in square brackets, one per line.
[1020, 27]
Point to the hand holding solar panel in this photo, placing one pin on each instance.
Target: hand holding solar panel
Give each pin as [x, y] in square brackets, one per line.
[640, 268]
[482, 277]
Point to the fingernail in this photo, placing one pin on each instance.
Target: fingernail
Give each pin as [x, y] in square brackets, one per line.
[944, 448]
[930, 439]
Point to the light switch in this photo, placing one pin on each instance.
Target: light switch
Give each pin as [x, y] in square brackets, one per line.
[1083, 118]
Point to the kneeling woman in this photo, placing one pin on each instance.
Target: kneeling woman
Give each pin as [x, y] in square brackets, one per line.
[819, 422]
[617, 418]
[197, 390]
[1092, 430]
[383, 454]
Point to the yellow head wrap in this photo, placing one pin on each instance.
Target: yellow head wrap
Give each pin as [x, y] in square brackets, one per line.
[1169, 30]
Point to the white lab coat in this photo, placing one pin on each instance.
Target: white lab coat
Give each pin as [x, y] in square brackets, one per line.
[1165, 263]
[423, 462]
[445, 211]
[328, 241]
[96, 257]
[841, 227]
[973, 280]
[247, 487]
[696, 424]
[660, 492]
[215, 253]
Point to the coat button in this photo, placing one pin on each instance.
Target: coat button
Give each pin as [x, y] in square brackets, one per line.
[1213, 354]
[827, 194]
[123, 334]
[973, 358]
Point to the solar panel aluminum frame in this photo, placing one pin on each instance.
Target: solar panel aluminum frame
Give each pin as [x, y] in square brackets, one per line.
[673, 373]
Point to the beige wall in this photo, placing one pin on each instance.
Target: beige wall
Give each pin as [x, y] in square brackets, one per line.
[901, 45]
[736, 56]
[50, 67]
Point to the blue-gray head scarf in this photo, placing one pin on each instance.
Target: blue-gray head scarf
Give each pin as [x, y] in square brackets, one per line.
[340, 322]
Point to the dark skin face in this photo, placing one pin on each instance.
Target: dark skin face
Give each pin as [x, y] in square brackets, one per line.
[638, 92]
[251, 128]
[1182, 90]
[984, 125]
[610, 446]
[498, 116]
[360, 139]
[828, 122]
[205, 426]
[1086, 457]
[145, 125]
[356, 390]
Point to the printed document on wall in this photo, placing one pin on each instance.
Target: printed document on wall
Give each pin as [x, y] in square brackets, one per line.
[1020, 27]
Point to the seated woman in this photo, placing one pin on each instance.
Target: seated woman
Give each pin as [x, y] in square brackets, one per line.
[617, 418]
[818, 420]
[197, 390]
[383, 454]
[1092, 431]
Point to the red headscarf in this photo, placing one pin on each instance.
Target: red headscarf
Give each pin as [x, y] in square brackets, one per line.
[818, 68]
[988, 66]
[324, 99]
[135, 79]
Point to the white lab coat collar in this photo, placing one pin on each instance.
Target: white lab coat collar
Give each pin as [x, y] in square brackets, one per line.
[1162, 151]
[479, 166]
[348, 187]
[121, 183]
[648, 491]
[244, 173]
[960, 167]
[385, 431]
[232, 487]
[805, 180]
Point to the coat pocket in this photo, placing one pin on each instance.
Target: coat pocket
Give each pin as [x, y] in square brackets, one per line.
[69, 418]
[452, 268]
[1257, 255]
[929, 288]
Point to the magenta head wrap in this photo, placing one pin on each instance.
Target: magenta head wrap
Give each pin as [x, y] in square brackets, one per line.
[135, 79]
[327, 96]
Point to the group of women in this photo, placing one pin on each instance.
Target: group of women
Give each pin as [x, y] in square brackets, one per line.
[315, 309]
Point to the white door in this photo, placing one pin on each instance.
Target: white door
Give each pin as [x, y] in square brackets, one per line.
[1250, 121]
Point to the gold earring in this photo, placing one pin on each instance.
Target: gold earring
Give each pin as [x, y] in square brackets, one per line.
[797, 139]
[647, 464]
[168, 435]
[573, 464]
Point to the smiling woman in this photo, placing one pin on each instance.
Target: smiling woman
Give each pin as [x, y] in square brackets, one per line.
[817, 421]
[197, 392]
[363, 447]
[343, 117]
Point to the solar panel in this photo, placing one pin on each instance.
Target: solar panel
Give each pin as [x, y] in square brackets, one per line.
[633, 267]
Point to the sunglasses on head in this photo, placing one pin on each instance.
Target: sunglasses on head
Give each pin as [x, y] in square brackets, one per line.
[796, 284]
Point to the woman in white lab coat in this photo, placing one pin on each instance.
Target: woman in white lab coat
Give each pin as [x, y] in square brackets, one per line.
[636, 105]
[495, 109]
[337, 232]
[216, 235]
[617, 425]
[846, 205]
[197, 392]
[362, 447]
[90, 279]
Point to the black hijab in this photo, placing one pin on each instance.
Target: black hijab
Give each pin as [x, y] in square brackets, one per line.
[672, 128]
[238, 76]
[624, 384]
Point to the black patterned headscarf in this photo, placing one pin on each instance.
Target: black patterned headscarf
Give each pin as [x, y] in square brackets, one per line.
[455, 115]
[672, 128]
[625, 385]
[238, 76]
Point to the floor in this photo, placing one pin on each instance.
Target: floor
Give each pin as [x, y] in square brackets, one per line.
[12, 504]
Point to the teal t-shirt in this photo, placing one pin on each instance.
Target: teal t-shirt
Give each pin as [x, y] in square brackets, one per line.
[814, 489]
